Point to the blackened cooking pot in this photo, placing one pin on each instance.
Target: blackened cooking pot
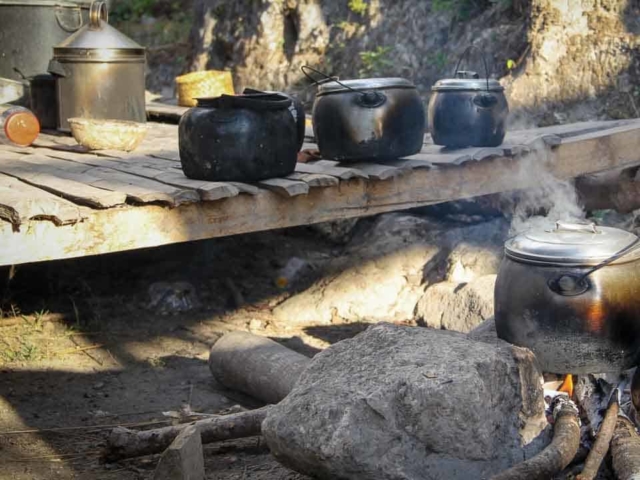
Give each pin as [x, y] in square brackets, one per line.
[368, 118]
[241, 138]
[467, 110]
[572, 296]
[296, 109]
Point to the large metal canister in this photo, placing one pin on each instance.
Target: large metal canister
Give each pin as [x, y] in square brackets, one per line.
[29, 29]
[100, 73]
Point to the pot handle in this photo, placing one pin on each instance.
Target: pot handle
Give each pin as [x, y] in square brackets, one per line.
[98, 13]
[61, 14]
[576, 227]
[56, 68]
[484, 61]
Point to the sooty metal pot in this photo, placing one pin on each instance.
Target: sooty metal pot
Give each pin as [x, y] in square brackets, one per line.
[240, 138]
[467, 110]
[368, 118]
[572, 296]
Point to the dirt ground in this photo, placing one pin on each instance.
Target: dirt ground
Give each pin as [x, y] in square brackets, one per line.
[81, 351]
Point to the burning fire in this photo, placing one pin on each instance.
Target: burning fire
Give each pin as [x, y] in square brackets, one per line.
[567, 385]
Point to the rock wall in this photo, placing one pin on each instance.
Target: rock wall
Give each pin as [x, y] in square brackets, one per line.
[266, 42]
[574, 59]
[583, 60]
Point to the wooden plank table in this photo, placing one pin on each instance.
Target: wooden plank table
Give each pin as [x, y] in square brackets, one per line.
[57, 201]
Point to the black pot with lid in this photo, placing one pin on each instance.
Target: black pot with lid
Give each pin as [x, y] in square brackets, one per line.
[367, 118]
[467, 110]
[242, 138]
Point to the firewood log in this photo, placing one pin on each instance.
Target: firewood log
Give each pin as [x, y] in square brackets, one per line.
[625, 450]
[603, 440]
[554, 458]
[256, 366]
[126, 443]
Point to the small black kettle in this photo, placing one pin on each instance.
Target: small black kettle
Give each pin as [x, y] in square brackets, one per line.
[467, 110]
[241, 138]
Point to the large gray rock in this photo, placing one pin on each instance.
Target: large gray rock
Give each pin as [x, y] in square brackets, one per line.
[381, 277]
[410, 403]
[386, 269]
[457, 306]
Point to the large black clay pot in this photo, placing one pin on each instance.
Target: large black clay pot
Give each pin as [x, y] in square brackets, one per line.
[243, 138]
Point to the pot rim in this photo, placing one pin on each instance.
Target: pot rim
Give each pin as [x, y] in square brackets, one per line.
[99, 55]
[365, 84]
[467, 85]
[541, 260]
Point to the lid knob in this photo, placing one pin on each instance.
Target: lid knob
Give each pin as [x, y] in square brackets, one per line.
[97, 13]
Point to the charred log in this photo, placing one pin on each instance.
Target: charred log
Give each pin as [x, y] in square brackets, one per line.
[554, 458]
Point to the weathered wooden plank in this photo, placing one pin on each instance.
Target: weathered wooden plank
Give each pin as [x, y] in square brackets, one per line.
[151, 225]
[142, 189]
[377, 171]
[138, 181]
[245, 188]
[315, 179]
[162, 111]
[57, 181]
[138, 189]
[410, 163]
[285, 187]
[330, 169]
[173, 155]
[207, 190]
[20, 202]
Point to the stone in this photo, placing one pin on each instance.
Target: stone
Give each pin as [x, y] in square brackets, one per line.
[380, 278]
[457, 306]
[385, 270]
[411, 403]
[338, 231]
[469, 261]
[485, 332]
[183, 460]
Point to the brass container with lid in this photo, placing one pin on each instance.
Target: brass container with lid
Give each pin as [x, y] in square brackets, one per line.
[100, 73]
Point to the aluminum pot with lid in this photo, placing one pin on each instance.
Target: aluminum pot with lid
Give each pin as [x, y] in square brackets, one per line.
[368, 118]
[468, 110]
[100, 73]
[572, 296]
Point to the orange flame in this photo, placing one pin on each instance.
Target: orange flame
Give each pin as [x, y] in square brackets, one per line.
[567, 385]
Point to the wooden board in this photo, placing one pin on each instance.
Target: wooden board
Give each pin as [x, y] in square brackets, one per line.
[20, 202]
[74, 187]
[342, 191]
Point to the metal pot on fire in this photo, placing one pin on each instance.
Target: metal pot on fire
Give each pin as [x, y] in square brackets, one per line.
[100, 73]
[572, 296]
[367, 118]
[468, 110]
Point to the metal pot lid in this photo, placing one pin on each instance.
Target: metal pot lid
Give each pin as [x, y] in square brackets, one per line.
[473, 84]
[572, 244]
[364, 84]
[98, 40]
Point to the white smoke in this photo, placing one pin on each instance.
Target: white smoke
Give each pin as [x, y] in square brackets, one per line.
[550, 200]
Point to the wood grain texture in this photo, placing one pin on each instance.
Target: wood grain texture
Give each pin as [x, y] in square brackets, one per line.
[20, 202]
[356, 194]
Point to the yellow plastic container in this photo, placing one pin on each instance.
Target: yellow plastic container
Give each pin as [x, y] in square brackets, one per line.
[208, 83]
